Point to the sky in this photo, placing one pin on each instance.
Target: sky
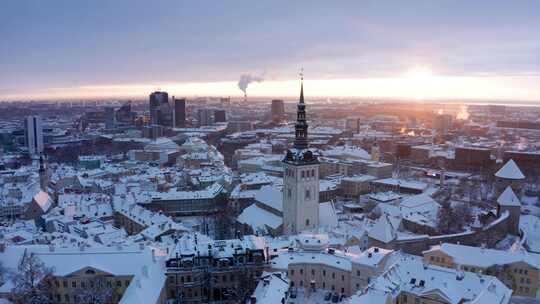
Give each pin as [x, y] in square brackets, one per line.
[482, 49]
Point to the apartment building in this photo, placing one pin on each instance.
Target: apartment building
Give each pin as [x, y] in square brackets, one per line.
[202, 270]
[517, 270]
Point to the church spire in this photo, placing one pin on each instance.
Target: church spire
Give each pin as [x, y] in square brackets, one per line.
[301, 87]
[301, 126]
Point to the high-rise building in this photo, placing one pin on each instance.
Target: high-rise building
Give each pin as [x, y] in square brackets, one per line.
[33, 133]
[124, 114]
[157, 99]
[179, 112]
[220, 116]
[300, 179]
[110, 119]
[277, 109]
[204, 116]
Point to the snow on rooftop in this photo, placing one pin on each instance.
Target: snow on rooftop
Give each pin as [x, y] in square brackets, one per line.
[285, 258]
[383, 230]
[271, 288]
[409, 274]
[510, 170]
[485, 257]
[148, 273]
[327, 215]
[271, 197]
[508, 198]
[257, 218]
[43, 200]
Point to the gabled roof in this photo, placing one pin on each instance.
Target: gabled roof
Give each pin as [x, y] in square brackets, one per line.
[510, 170]
[383, 230]
[508, 198]
[43, 200]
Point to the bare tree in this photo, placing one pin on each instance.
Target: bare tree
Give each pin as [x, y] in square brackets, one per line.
[97, 291]
[464, 215]
[29, 280]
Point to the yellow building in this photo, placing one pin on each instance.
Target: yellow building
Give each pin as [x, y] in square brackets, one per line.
[132, 274]
[517, 270]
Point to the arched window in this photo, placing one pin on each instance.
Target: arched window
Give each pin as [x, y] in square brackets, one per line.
[307, 222]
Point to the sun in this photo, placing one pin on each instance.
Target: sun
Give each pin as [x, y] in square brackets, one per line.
[419, 81]
[419, 74]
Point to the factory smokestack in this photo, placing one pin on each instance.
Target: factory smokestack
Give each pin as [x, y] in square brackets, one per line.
[245, 80]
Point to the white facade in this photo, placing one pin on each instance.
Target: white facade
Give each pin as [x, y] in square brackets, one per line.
[300, 197]
[33, 129]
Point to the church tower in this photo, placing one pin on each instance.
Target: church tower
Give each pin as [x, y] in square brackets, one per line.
[300, 178]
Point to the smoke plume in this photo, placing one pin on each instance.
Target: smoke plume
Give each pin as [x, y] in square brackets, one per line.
[246, 79]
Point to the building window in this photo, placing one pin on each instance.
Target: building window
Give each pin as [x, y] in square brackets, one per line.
[308, 195]
[303, 174]
[333, 276]
[358, 272]
[118, 283]
[301, 271]
[74, 284]
[307, 222]
[342, 277]
[312, 172]
[292, 272]
[324, 273]
[289, 192]
[301, 283]
[313, 272]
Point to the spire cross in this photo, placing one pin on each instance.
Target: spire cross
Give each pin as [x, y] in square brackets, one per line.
[301, 73]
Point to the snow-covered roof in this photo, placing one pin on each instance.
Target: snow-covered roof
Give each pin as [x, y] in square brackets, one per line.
[371, 257]
[510, 170]
[148, 272]
[327, 215]
[43, 200]
[485, 257]
[285, 258]
[383, 230]
[257, 218]
[271, 288]
[409, 274]
[508, 198]
[271, 197]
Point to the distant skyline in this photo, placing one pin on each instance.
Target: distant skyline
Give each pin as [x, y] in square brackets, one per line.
[486, 49]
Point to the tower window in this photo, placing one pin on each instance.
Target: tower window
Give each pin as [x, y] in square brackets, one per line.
[289, 192]
[307, 222]
[308, 195]
[312, 172]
